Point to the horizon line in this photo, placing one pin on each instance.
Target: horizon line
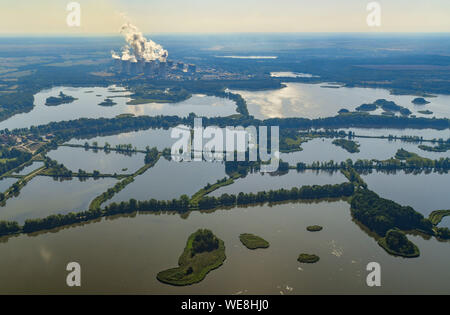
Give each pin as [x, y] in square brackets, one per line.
[82, 34]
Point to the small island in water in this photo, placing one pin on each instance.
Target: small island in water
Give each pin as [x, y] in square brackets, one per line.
[348, 145]
[58, 100]
[203, 252]
[252, 241]
[420, 101]
[308, 258]
[107, 102]
[396, 243]
[314, 228]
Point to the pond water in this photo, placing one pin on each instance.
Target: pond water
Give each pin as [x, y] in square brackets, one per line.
[87, 107]
[256, 182]
[5, 183]
[445, 222]
[314, 101]
[44, 196]
[424, 192]
[322, 149]
[30, 168]
[106, 163]
[124, 254]
[159, 138]
[168, 180]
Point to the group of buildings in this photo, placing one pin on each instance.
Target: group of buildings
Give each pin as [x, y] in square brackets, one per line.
[154, 68]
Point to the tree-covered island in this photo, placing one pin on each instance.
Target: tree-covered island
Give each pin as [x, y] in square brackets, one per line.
[203, 252]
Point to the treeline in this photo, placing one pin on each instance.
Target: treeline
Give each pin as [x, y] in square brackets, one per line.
[7, 228]
[180, 205]
[56, 169]
[86, 126]
[381, 215]
[14, 103]
[441, 147]
[237, 98]
[413, 160]
[348, 145]
[414, 164]
[151, 156]
[12, 158]
[302, 193]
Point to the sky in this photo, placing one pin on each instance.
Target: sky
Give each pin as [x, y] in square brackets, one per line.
[229, 16]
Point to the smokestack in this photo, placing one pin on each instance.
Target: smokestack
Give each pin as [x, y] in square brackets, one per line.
[163, 68]
[126, 66]
[117, 65]
[192, 68]
[134, 67]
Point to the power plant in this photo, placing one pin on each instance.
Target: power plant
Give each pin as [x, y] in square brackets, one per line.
[154, 68]
[145, 57]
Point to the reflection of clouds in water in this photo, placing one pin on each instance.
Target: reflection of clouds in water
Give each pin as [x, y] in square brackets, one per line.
[281, 103]
[45, 254]
[140, 110]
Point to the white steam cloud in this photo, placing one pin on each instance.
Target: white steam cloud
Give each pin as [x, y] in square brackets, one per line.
[138, 48]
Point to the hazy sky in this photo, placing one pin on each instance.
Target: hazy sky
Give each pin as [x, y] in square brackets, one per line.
[204, 16]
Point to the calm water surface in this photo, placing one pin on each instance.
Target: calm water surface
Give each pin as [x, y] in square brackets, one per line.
[5, 183]
[123, 255]
[424, 192]
[322, 149]
[168, 180]
[314, 101]
[159, 138]
[44, 196]
[106, 163]
[30, 168]
[256, 182]
[87, 107]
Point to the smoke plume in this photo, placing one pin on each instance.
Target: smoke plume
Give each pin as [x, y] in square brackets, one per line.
[138, 48]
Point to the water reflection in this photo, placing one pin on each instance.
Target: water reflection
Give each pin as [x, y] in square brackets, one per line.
[86, 106]
[314, 101]
[44, 196]
[150, 243]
